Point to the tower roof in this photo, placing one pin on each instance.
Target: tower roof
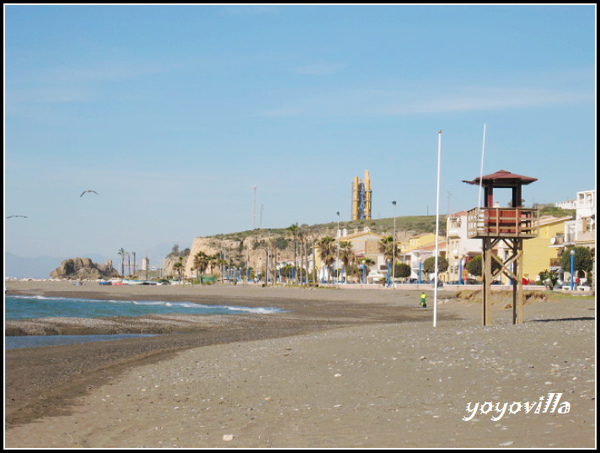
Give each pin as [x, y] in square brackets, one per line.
[503, 178]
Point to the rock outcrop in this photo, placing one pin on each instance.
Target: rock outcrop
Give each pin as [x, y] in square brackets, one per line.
[84, 269]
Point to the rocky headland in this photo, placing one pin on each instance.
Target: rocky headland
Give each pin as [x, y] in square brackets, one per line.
[84, 269]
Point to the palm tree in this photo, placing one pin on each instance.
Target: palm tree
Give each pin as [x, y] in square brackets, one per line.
[346, 253]
[386, 246]
[303, 239]
[122, 253]
[201, 261]
[294, 231]
[220, 261]
[327, 249]
[213, 260]
[178, 265]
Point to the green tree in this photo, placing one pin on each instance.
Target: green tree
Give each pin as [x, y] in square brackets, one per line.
[583, 260]
[475, 266]
[429, 264]
[403, 270]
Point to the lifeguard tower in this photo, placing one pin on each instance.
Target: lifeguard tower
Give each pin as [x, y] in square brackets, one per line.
[512, 225]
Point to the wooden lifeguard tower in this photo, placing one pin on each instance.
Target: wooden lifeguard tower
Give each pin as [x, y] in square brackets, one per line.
[511, 225]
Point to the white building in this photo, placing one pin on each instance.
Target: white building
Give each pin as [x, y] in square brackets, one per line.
[567, 204]
[582, 230]
[459, 246]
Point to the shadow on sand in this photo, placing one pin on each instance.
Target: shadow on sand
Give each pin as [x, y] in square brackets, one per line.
[582, 318]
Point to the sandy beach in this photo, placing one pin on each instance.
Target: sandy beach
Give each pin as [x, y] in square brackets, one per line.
[338, 368]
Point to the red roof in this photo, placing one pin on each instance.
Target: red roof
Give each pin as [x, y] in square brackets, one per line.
[503, 178]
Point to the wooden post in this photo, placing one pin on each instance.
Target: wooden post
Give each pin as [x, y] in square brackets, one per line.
[518, 288]
[487, 281]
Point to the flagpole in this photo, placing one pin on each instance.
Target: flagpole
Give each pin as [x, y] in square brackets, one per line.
[480, 221]
[481, 171]
[437, 229]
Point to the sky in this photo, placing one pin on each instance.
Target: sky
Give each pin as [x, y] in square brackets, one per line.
[174, 113]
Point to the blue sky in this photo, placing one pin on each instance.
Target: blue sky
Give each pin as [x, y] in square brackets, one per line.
[173, 113]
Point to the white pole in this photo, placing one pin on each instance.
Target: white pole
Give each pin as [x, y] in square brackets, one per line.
[481, 171]
[437, 229]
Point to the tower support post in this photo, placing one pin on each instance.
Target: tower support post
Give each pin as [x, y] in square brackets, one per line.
[487, 281]
[512, 267]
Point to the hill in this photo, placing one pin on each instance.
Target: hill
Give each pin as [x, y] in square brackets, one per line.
[250, 245]
[408, 225]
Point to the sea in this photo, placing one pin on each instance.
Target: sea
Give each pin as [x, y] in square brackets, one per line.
[28, 307]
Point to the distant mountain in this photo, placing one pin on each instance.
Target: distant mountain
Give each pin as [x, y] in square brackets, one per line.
[38, 267]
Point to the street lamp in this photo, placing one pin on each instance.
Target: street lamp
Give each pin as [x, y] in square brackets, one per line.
[388, 273]
[337, 260]
[572, 268]
[394, 247]
[363, 271]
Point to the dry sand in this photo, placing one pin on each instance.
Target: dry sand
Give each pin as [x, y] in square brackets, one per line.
[340, 369]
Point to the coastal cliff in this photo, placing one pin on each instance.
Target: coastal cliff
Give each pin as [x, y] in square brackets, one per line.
[243, 252]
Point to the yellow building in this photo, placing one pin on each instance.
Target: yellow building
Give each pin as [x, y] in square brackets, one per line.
[419, 241]
[538, 252]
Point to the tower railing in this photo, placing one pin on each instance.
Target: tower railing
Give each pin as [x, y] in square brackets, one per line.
[503, 222]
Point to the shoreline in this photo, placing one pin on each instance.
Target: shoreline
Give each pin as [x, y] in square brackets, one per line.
[298, 305]
[74, 375]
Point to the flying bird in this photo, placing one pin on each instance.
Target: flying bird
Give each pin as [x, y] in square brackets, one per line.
[86, 191]
[11, 216]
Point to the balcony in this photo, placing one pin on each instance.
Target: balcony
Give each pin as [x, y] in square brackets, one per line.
[499, 222]
[586, 236]
[453, 232]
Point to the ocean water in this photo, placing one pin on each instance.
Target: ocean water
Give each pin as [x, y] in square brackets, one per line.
[38, 341]
[28, 307]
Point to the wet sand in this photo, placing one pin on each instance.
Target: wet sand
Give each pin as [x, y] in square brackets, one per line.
[347, 368]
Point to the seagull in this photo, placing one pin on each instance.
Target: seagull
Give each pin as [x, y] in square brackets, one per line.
[10, 216]
[86, 191]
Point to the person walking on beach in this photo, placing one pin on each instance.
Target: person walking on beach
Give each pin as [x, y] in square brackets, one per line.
[423, 300]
